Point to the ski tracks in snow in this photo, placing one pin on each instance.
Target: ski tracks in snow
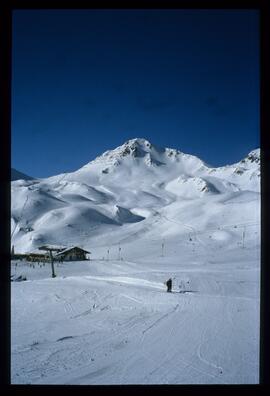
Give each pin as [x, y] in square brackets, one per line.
[132, 298]
[140, 346]
[208, 369]
[217, 370]
[156, 322]
[160, 319]
[83, 299]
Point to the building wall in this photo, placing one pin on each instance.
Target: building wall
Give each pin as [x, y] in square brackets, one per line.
[73, 255]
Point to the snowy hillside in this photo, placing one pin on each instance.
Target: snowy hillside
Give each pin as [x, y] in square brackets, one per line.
[145, 214]
[132, 190]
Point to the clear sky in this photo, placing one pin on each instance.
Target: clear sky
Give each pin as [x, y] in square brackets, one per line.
[85, 81]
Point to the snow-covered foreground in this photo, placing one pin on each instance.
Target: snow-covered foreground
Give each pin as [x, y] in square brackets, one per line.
[112, 322]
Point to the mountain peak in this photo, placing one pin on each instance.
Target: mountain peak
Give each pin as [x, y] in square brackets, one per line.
[138, 142]
[252, 157]
[137, 147]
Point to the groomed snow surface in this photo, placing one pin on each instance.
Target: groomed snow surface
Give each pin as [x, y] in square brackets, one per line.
[110, 320]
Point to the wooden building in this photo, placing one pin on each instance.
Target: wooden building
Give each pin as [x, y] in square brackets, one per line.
[73, 253]
[59, 253]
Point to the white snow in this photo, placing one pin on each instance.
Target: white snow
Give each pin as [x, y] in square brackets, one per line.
[153, 214]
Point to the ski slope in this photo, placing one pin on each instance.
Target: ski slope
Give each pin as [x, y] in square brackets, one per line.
[145, 214]
[112, 322]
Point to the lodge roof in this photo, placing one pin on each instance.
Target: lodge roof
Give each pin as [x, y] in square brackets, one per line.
[71, 248]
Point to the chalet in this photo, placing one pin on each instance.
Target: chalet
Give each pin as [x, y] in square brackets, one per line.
[73, 253]
[61, 253]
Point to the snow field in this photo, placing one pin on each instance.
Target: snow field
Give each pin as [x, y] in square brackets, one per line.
[113, 323]
[145, 214]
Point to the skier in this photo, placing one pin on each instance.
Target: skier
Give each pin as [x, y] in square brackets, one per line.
[169, 285]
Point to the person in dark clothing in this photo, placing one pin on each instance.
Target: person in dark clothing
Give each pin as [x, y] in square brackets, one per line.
[169, 285]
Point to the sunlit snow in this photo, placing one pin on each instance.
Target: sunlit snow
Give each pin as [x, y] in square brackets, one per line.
[145, 214]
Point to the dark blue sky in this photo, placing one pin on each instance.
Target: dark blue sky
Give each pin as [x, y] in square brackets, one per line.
[85, 81]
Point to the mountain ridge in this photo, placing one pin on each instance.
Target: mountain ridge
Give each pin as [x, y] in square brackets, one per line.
[127, 187]
[17, 175]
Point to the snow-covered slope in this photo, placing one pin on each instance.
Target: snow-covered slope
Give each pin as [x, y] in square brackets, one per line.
[145, 214]
[129, 191]
[112, 322]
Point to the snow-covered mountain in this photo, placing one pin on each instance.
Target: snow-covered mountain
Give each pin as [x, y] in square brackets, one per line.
[135, 191]
[146, 214]
[16, 175]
